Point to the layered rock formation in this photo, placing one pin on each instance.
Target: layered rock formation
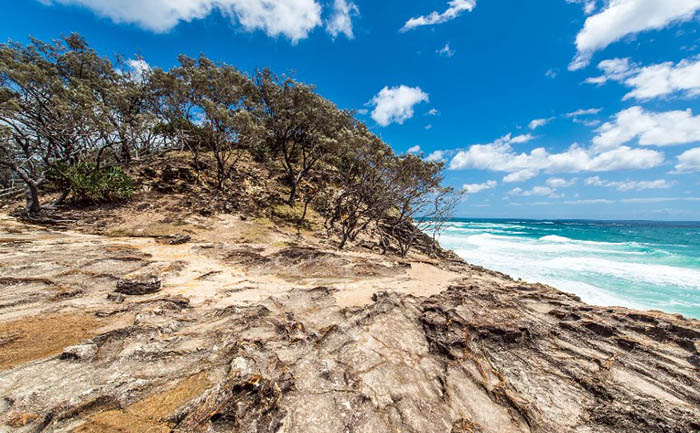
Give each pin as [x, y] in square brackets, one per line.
[289, 337]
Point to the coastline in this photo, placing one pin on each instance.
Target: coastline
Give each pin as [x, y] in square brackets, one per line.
[287, 325]
[639, 265]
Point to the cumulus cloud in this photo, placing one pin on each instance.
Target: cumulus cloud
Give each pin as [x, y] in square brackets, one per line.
[558, 182]
[536, 123]
[135, 69]
[414, 149]
[520, 176]
[396, 104]
[620, 18]
[474, 188]
[629, 185]
[293, 19]
[432, 112]
[689, 161]
[341, 18]
[437, 156]
[455, 8]
[583, 112]
[500, 156]
[446, 51]
[651, 129]
[652, 81]
[588, 5]
[536, 191]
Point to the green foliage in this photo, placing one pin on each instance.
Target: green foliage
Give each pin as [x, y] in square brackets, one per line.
[87, 183]
[66, 112]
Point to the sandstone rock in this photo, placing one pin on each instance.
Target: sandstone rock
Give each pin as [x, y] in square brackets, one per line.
[116, 297]
[143, 286]
[179, 239]
[80, 352]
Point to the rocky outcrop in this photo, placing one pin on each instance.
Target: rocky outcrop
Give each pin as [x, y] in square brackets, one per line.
[142, 286]
[488, 354]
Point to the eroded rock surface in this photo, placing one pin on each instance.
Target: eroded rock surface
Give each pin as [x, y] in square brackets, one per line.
[233, 342]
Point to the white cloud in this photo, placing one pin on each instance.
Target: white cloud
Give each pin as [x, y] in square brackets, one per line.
[651, 129]
[588, 5]
[136, 68]
[558, 182]
[591, 201]
[620, 18]
[341, 20]
[629, 185]
[293, 19]
[551, 73]
[536, 123]
[659, 199]
[446, 51]
[520, 176]
[437, 156]
[428, 127]
[583, 112]
[474, 188]
[652, 81]
[455, 9]
[414, 149]
[432, 112]
[362, 111]
[523, 138]
[500, 156]
[536, 191]
[395, 104]
[688, 161]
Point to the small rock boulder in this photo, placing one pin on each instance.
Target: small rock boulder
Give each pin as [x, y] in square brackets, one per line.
[80, 352]
[179, 239]
[139, 287]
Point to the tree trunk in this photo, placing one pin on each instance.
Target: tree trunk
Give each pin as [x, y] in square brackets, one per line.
[125, 153]
[31, 194]
[303, 215]
[292, 193]
[343, 240]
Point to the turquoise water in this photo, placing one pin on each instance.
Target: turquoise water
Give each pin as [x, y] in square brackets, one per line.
[643, 265]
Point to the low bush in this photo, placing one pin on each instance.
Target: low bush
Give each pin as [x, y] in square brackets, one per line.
[87, 183]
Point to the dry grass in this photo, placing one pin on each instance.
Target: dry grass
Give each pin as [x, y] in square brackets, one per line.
[149, 414]
[33, 338]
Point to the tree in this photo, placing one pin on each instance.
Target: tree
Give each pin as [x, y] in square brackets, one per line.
[207, 106]
[419, 198]
[124, 96]
[297, 126]
[38, 112]
[360, 196]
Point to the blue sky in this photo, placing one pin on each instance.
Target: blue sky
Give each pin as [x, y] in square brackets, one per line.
[540, 109]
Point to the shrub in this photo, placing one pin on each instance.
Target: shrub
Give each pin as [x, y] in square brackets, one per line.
[87, 183]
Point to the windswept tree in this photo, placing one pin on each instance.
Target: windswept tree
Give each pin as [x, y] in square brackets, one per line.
[360, 170]
[207, 106]
[124, 96]
[42, 111]
[419, 199]
[297, 126]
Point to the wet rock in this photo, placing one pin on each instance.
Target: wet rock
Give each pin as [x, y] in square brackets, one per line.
[142, 286]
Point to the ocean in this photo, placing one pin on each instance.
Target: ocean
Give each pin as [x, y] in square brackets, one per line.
[636, 264]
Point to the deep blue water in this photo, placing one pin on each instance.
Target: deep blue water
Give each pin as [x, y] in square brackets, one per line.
[636, 264]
